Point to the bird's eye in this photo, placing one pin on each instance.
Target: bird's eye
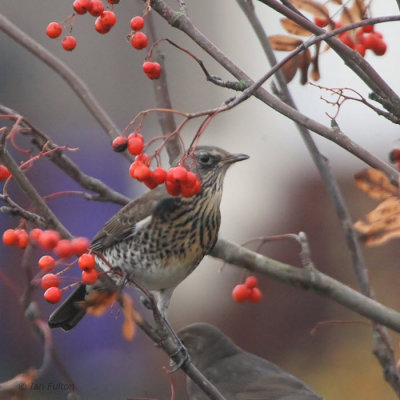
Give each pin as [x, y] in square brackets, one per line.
[205, 159]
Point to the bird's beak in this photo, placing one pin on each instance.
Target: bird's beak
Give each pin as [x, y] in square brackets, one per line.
[235, 158]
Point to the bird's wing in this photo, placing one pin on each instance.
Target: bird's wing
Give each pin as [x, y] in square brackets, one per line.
[123, 223]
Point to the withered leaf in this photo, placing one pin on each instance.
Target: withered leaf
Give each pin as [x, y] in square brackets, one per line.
[375, 183]
[349, 17]
[339, 2]
[98, 302]
[381, 224]
[313, 7]
[289, 69]
[131, 316]
[293, 28]
[284, 43]
[358, 10]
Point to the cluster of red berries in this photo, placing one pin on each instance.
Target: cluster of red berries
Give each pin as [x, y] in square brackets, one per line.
[365, 38]
[62, 248]
[178, 180]
[394, 157]
[247, 291]
[106, 19]
[4, 172]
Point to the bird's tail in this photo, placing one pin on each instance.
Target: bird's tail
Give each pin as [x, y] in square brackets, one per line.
[71, 311]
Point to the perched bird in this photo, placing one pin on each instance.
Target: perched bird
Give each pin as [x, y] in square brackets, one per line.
[157, 240]
[238, 375]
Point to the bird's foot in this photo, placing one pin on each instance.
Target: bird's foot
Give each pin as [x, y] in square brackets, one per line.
[179, 358]
[146, 302]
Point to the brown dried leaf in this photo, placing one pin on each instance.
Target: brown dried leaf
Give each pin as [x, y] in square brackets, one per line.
[339, 2]
[381, 224]
[375, 183]
[284, 43]
[289, 69]
[313, 7]
[131, 316]
[359, 10]
[293, 28]
[349, 17]
[98, 302]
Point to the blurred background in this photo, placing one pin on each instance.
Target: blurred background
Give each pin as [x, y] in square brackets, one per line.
[278, 190]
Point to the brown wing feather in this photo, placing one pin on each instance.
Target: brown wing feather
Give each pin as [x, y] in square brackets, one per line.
[122, 224]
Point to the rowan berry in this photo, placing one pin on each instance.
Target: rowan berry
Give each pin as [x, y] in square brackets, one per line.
[370, 41]
[49, 239]
[4, 172]
[172, 188]
[346, 39]
[23, 238]
[89, 276]
[141, 172]
[108, 19]
[100, 27]
[68, 43]
[380, 48]
[177, 174]
[240, 293]
[34, 234]
[139, 41]
[96, 8]
[255, 295]
[64, 249]
[120, 143]
[367, 28]
[159, 175]
[152, 69]
[47, 263]
[53, 30]
[394, 155]
[49, 280]
[150, 182]
[251, 282]
[321, 22]
[53, 295]
[79, 7]
[86, 261]
[113, 1]
[135, 143]
[80, 245]
[360, 48]
[10, 237]
[137, 23]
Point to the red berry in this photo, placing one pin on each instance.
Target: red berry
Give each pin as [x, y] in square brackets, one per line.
[4, 172]
[152, 69]
[120, 143]
[177, 174]
[159, 175]
[96, 8]
[135, 144]
[47, 263]
[113, 1]
[98, 25]
[346, 39]
[141, 172]
[143, 158]
[173, 188]
[68, 43]
[79, 7]
[186, 191]
[321, 22]
[150, 183]
[49, 280]
[367, 28]
[137, 23]
[34, 234]
[240, 293]
[49, 239]
[251, 282]
[360, 48]
[394, 155]
[255, 295]
[380, 48]
[139, 41]
[10, 237]
[370, 41]
[89, 276]
[23, 238]
[63, 249]
[80, 245]
[53, 30]
[53, 295]
[108, 19]
[86, 261]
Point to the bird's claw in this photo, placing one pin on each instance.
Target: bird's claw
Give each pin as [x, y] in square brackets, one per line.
[183, 359]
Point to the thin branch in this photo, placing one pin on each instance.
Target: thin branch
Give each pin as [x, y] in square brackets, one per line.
[72, 79]
[311, 279]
